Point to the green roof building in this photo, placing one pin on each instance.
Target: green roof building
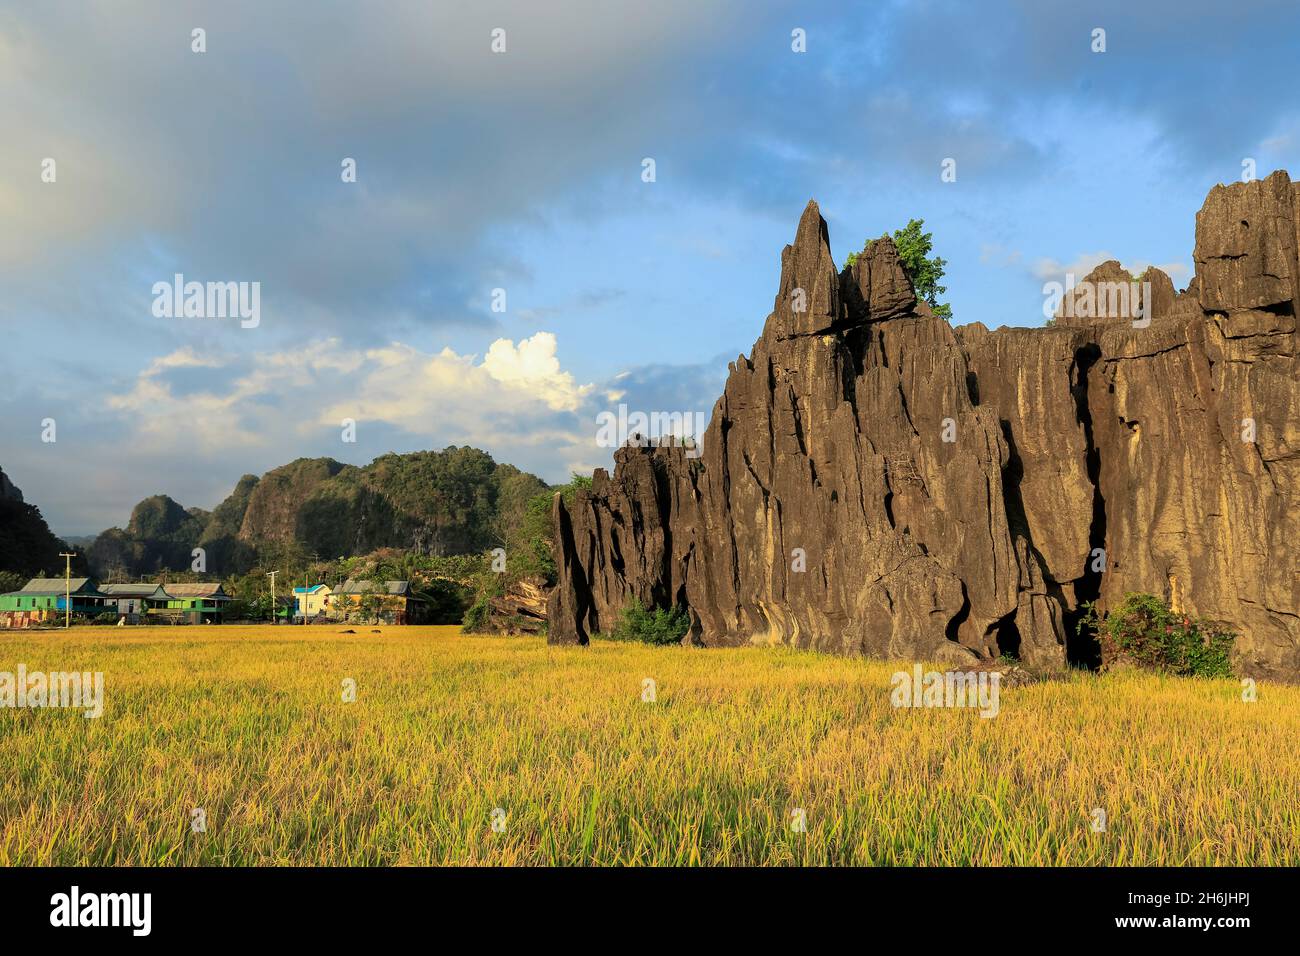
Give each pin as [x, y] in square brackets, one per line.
[135, 601]
[196, 603]
[45, 598]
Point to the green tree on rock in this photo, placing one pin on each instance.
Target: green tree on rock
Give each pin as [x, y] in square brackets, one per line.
[914, 247]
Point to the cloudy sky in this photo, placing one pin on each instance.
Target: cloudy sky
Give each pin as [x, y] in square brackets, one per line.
[522, 171]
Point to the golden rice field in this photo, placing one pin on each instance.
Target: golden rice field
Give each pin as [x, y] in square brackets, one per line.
[249, 724]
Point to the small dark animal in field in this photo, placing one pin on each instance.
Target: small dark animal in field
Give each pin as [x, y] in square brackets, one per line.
[348, 631]
[374, 630]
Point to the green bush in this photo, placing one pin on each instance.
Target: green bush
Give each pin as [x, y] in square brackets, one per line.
[446, 601]
[660, 626]
[477, 617]
[1144, 630]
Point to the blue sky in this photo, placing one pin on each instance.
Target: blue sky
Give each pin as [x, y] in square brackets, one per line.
[522, 171]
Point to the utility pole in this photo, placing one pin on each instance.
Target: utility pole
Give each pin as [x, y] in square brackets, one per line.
[67, 588]
[272, 577]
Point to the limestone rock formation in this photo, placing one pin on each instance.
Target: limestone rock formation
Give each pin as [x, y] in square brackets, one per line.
[1109, 294]
[875, 482]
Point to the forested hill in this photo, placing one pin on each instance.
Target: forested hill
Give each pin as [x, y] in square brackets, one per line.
[455, 501]
[27, 546]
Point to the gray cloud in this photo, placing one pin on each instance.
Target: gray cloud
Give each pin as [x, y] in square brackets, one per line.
[225, 165]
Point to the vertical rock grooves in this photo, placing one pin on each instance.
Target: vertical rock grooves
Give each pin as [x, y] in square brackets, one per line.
[1082, 650]
[874, 481]
[572, 603]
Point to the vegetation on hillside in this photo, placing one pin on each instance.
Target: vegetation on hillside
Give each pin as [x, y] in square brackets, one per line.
[528, 555]
[533, 553]
[455, 501]
[27, 546]
[160, 535]
[296, 519]
[445, 584]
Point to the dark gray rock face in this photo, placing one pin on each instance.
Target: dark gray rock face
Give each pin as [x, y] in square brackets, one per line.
[8, 490]
[875, 482]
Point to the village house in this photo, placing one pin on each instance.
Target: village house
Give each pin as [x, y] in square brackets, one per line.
[314, 601]
[134, 601]
[396, 602]
[201, 603]
[43, 599]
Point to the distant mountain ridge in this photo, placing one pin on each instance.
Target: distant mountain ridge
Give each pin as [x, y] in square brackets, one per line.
[455, 501]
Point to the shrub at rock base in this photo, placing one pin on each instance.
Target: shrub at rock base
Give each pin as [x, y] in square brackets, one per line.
[660, 626]
[1146, 632]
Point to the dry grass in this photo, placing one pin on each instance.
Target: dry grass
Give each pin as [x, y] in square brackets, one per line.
[248, 723]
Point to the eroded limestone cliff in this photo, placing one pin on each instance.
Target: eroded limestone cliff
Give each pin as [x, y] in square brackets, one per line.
[874, 481]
